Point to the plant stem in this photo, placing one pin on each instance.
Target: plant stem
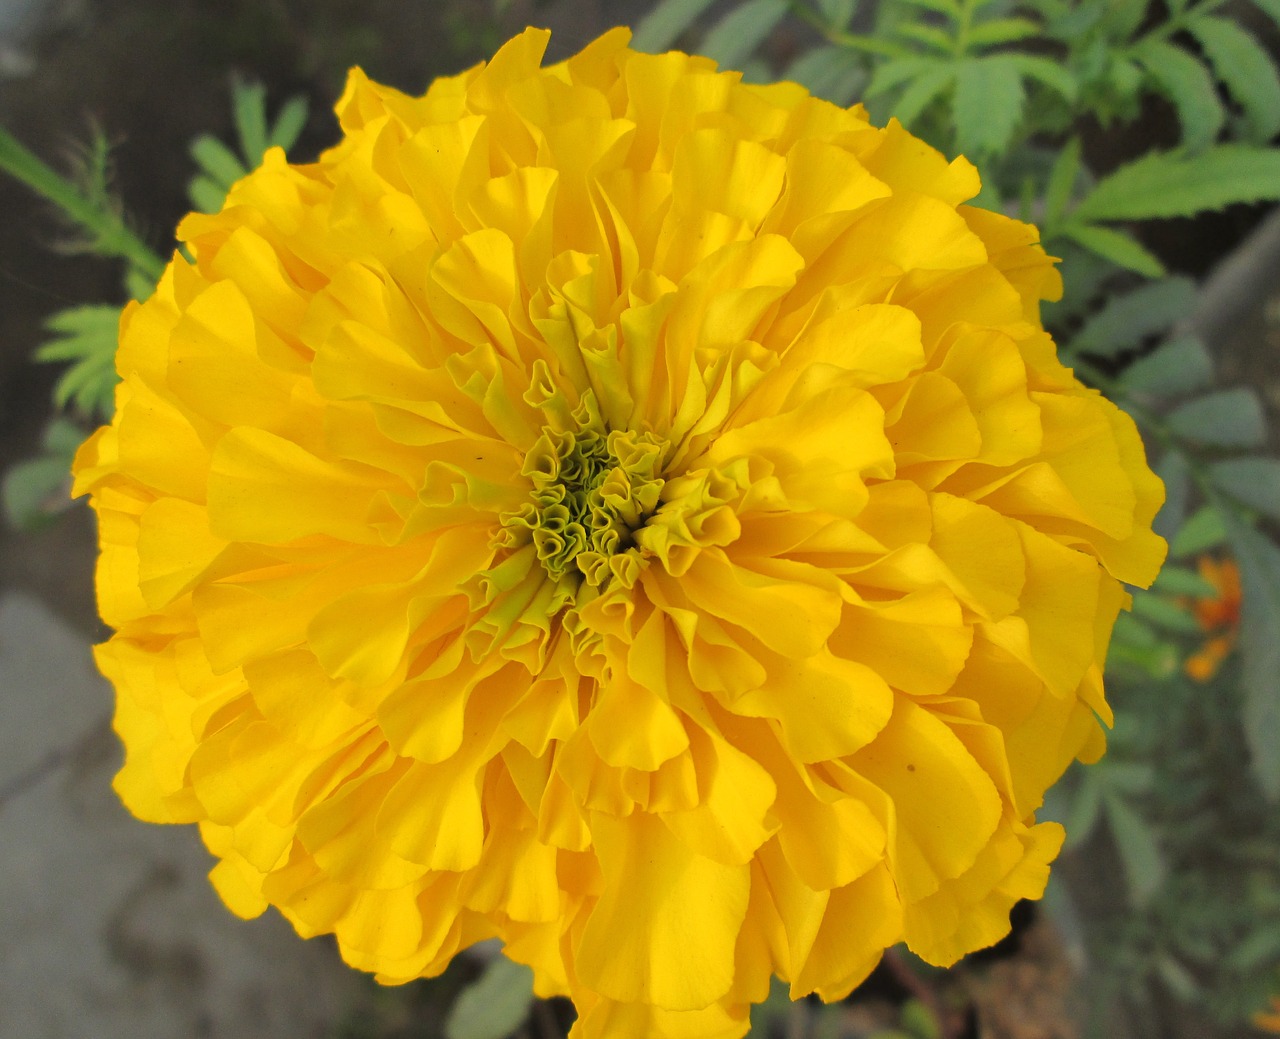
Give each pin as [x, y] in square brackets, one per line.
[110, 235]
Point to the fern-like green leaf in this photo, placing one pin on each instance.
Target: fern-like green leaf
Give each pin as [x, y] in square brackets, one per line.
[830, 72]
[1062, 181]
[1165, 185]
[949, 9]
[736, 36]
[289, 123]
[1127, 320]
[896, 71]
[249, 105]
[837, 13]
[1186, 82]
[922, 91]
[218, 162]
[1001, 30]
[1120, 248]
[1259, 561]
[1242, 63]
[987, 105]
[85, 337]
[662, 26]
[930, 36]
[1049, 73]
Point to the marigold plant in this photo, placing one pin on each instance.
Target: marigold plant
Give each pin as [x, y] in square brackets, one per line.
[621, 511]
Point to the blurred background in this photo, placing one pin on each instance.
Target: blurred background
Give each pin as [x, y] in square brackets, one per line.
[1163, 919]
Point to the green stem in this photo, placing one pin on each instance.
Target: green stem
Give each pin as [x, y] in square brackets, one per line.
[852, 40]
[110, 235]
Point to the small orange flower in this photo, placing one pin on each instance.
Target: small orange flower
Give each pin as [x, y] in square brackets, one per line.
[1218, 615]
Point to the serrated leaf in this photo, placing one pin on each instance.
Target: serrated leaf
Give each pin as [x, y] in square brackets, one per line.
[289, 123]
[249, 105]
[1165, 185]
[1056, 77]
[1062, 181]
[1225, 418]
[1205, 529]
[1186, 82]
[1117, 246]
[987, 105]
[831, 72]
[897, 71]
[495, 1005]
[1002, 30]
[1127, 320]
[921, 93]
[837, 13]
[736, 36]
[1177, 366]
[929, 35]
[1178, 580]
[1164, 614]
[1140, 855]
[218, 162]
[662, 26]
[1253, 481]
[1244, 65]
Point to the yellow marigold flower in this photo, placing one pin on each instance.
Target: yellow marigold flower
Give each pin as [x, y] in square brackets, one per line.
[619, 510]
[1217, 615]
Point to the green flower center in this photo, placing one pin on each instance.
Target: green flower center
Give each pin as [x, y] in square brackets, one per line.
[592, 490]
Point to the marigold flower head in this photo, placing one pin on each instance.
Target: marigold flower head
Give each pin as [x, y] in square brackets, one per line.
[622, 511]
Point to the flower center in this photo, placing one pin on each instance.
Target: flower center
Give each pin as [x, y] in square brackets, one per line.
[592, 490]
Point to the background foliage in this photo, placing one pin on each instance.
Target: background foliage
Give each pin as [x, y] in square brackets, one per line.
[1055, 100]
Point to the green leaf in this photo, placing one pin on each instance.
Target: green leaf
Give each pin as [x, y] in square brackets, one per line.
[1002, 30]
[85, 336]
[929, 35]
[922, 92]
[217, 161]
[206, 194]
[1127, 320]
[949, 9]
[662, 26]
[1166, 185]
[1117, 246]
[249, 105]
[897, 71]
[1253, 481]
[1062, 181]
[1225, 418]
[1053, 75]
[1271, 8]
[830, 72]
[1205, 529]
[1244, 65]
[837, 13]
[1178, 580]
[1178, 978]
[1164, 614]
[495, 1005]
[1259, 562]
[987, 105]
[289, 123]
[1177, 366]
[1189, 85]
[1085, 810]
[32, 491]
[1144, 865]
[1174, 469]
[736, 36]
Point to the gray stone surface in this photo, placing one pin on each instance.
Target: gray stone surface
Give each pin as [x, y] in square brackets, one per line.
[108, 926]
